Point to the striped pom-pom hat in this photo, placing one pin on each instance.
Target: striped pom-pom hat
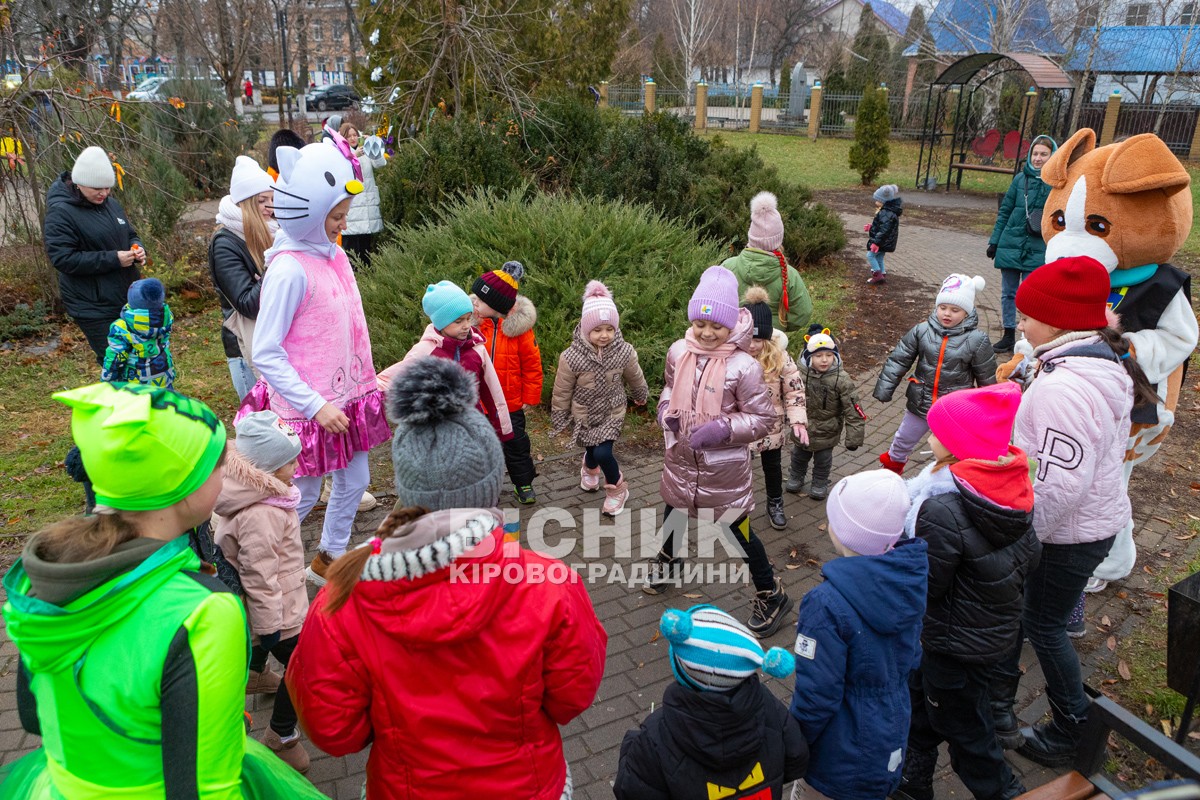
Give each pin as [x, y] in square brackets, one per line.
[498, 288]
[713, 652]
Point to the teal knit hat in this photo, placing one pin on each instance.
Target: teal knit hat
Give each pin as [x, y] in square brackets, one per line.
[445, 302]
[711, 651]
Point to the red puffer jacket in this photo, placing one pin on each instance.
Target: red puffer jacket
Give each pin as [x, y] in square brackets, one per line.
[515, 353]
[458, 677]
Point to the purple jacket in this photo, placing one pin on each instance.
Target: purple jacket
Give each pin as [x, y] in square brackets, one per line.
[720, 478]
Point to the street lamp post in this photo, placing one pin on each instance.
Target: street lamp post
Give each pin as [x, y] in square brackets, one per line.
[285, 85]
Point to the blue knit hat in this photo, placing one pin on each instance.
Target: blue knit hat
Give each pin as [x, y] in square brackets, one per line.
[711, 651]
[148, 293]
[445, 302]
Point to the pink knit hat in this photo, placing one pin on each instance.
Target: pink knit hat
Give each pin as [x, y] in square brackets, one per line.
[766, 226]
[598, 308]
[715, 298]
[866, 511]
[976, 423]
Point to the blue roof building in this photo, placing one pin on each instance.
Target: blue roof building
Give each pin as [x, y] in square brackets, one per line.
[1139, 50]
[962, 27]
[893, 18]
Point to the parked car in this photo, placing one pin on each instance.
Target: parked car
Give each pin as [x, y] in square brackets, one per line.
[163, 88]
[332, 98]
[148, 89]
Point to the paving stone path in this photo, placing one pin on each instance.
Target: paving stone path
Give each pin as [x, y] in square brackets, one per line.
[637, 670]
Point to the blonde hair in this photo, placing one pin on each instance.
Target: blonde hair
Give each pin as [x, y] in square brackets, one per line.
[256, 233]
[344, 573]
[771, 360]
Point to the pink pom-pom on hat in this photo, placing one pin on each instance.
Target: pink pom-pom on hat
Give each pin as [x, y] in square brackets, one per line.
[598, 308]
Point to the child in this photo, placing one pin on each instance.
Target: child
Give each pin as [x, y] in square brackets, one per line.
[258, 531]
[589, 391]
[719, 731]
[831, 401]
[762, 263]
[1074, 419]
[883, 230]
[139, 343]
[133, 657]
[449, 335]
[973, 507]
[769, 346]
[714, 404]
[950, 353]
[311, 343]
[858, 639]
[505, 320]
[457, 683]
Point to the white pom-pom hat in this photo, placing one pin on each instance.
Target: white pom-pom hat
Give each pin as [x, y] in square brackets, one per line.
[959, 290]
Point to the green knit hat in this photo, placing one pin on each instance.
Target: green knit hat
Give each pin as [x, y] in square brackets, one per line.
[144, 448]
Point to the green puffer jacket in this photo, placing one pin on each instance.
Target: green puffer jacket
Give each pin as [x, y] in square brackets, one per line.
[831, 402]
[754, 267]
[1015, 248]
[137, 664]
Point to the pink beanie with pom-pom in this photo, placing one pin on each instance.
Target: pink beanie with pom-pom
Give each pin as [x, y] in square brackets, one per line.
[766, 226]
[598, 308]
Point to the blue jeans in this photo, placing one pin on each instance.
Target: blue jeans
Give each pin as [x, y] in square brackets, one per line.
[876, 262]
[242, 377]
[1010, 280]
[1051, 592]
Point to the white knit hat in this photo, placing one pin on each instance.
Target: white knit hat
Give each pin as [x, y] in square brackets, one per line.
[248, 179]
[959, 290]
[866, 511]
[93, 169]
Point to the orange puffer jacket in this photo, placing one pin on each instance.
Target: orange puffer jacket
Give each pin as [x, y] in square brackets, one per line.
[514, 351]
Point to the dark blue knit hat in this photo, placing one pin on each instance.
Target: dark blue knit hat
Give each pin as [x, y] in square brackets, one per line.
[148, 293]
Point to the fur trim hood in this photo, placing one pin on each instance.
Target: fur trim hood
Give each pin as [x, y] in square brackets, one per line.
[521, 319]
[245, 484]
[430, 543]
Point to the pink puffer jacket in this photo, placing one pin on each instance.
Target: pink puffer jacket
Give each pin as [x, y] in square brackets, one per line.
[721, 478]
[1074, 419]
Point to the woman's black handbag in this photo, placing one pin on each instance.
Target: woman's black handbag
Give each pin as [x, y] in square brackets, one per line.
[1033, 221]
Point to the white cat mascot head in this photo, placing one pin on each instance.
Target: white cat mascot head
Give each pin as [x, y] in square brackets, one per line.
[312, 180]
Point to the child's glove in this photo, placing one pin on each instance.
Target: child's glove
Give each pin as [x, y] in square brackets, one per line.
[874, 248]
[801, 433]
[867, 228]
[710, 434]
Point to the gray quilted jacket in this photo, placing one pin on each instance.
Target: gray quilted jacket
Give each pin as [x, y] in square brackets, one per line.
[968, 361]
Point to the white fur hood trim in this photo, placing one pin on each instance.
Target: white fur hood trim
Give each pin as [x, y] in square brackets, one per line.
[926, 484]
[410, 564]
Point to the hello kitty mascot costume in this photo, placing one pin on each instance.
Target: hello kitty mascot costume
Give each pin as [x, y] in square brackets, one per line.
[311, 342]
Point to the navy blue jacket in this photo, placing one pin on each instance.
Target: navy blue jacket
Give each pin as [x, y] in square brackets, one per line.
[885, 226]
[858, 639]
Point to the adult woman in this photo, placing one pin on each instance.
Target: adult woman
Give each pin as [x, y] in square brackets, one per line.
[437, 594]
[133, 656]
[245, 229]
[1016, 244]
[365, 221]
[92, 244]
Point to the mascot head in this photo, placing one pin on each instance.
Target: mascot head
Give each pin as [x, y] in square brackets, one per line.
[1125, 204]
[312, 180]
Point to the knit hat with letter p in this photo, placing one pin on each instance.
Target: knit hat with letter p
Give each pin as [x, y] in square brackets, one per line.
[143, 447]
[711, 651]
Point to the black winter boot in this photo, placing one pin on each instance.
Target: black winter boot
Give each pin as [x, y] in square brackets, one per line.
[917, 782]
[775, 513]
[1053, 743]
[769, 610]
[1002, 693]
[1005, 343]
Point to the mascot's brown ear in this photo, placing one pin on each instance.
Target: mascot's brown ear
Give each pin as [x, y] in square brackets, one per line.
[1054, 171]
[1141, 163]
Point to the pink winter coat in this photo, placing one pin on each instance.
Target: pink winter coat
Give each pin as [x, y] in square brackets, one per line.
[720, 478]
[1074, 419]
[258, 531]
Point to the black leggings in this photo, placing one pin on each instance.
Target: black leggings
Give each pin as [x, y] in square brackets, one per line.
[601, 456]
[283, 715]
[772, 463]
[753, 551]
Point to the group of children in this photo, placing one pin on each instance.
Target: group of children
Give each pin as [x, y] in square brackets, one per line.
[914, 637]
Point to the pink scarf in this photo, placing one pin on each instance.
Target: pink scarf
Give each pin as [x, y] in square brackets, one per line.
[289, 500]
[693, 412]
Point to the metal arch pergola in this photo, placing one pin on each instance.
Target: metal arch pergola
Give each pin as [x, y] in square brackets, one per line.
[1048, 80]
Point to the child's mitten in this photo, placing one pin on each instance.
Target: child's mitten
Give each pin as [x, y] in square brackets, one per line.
[710, 434]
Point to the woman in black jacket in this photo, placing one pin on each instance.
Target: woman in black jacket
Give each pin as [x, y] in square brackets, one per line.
[974, 509]
[245, 230]
[92, 244]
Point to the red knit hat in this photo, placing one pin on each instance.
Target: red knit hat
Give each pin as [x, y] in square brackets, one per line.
[1070, 294]
[976, 423]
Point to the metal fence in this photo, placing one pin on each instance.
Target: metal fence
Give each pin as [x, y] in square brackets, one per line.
[1091, 115]
[1174, 124]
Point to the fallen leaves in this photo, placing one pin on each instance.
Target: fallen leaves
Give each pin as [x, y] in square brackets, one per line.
[1124, 671]
[1111, 643]
[1105, 621]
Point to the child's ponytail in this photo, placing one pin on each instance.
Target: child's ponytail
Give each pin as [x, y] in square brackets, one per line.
[1143, 390]
[344, 573]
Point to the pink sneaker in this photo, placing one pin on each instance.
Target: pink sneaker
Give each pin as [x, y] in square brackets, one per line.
[589, 479]
[614, 498]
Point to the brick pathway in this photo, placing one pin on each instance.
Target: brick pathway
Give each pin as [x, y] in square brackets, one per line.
[637, 670]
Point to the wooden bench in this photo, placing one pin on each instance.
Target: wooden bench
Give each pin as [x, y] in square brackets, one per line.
[961, 166]
[1088, 781]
